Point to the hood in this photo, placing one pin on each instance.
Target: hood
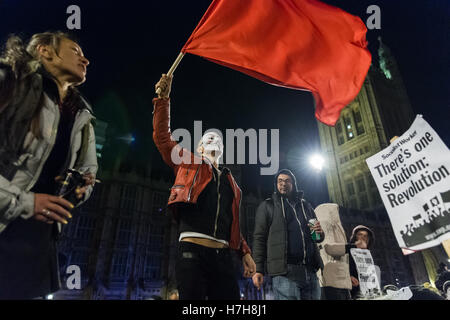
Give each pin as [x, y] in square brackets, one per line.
[371, 235]
[295, 190]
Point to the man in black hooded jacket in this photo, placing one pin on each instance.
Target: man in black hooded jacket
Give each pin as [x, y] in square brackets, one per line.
[285, 241]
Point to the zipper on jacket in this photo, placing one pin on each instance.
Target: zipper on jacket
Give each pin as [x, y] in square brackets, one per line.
[193, 182]
[218, 201]
[286, 233]
[303, 209]
[299, 224]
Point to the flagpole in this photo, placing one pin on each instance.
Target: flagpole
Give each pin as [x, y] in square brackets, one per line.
[173, 67]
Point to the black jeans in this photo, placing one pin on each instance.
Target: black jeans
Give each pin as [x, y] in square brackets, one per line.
[28, 260]
[331, 293]
[205, 273]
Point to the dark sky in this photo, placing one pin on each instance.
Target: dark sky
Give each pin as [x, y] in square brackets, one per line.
[130, 43]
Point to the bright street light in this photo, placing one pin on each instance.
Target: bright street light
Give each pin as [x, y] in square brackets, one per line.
[129, 138]
[317, 162]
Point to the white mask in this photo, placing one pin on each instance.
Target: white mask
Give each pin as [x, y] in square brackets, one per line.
[211, 141]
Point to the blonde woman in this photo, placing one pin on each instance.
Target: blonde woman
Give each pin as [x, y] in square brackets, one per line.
[45, 129]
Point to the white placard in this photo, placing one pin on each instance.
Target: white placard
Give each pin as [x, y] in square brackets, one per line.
[413, 178]
[368, 276]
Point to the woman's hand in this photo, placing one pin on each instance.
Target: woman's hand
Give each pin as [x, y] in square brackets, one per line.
[48, 208]
[89, 180]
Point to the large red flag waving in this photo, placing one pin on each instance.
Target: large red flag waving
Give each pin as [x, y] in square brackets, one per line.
[299, 44]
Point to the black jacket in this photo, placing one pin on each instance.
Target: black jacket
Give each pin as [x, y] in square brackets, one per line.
[270, 237]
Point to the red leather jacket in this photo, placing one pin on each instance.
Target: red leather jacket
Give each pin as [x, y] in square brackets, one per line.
[191, 178]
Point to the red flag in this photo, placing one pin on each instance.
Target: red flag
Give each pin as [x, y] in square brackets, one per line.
[298, 44]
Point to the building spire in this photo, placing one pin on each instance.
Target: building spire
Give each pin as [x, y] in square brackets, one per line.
[384, 55]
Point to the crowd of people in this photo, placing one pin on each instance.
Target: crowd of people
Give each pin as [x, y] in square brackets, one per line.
[46, 131]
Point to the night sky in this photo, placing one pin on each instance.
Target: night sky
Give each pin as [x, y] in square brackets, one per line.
[129, 45]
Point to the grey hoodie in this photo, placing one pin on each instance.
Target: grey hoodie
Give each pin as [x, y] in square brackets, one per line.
[370, 232]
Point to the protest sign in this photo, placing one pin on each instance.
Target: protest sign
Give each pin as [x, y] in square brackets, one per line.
[413, 178]
[368, 272]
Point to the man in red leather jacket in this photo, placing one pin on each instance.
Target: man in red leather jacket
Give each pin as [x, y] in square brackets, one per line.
[206, 202]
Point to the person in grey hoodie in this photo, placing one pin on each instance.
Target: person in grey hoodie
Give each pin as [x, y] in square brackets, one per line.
[364, 238]
[286, 242]
[45, 129]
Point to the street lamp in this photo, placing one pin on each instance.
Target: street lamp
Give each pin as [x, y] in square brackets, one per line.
[317, 162]
[129, 138]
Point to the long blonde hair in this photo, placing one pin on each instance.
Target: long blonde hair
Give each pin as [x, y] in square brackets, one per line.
[26, 60]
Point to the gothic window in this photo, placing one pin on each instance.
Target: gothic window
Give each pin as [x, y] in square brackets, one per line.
[350, 188]
[357, 115]
[360, 184]
[348, 127]
[339, 133]
[358, 120]
[338, 127]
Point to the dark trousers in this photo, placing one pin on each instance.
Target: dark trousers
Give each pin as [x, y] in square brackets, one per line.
[331, 293]
[205, 273]
[28, 260]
